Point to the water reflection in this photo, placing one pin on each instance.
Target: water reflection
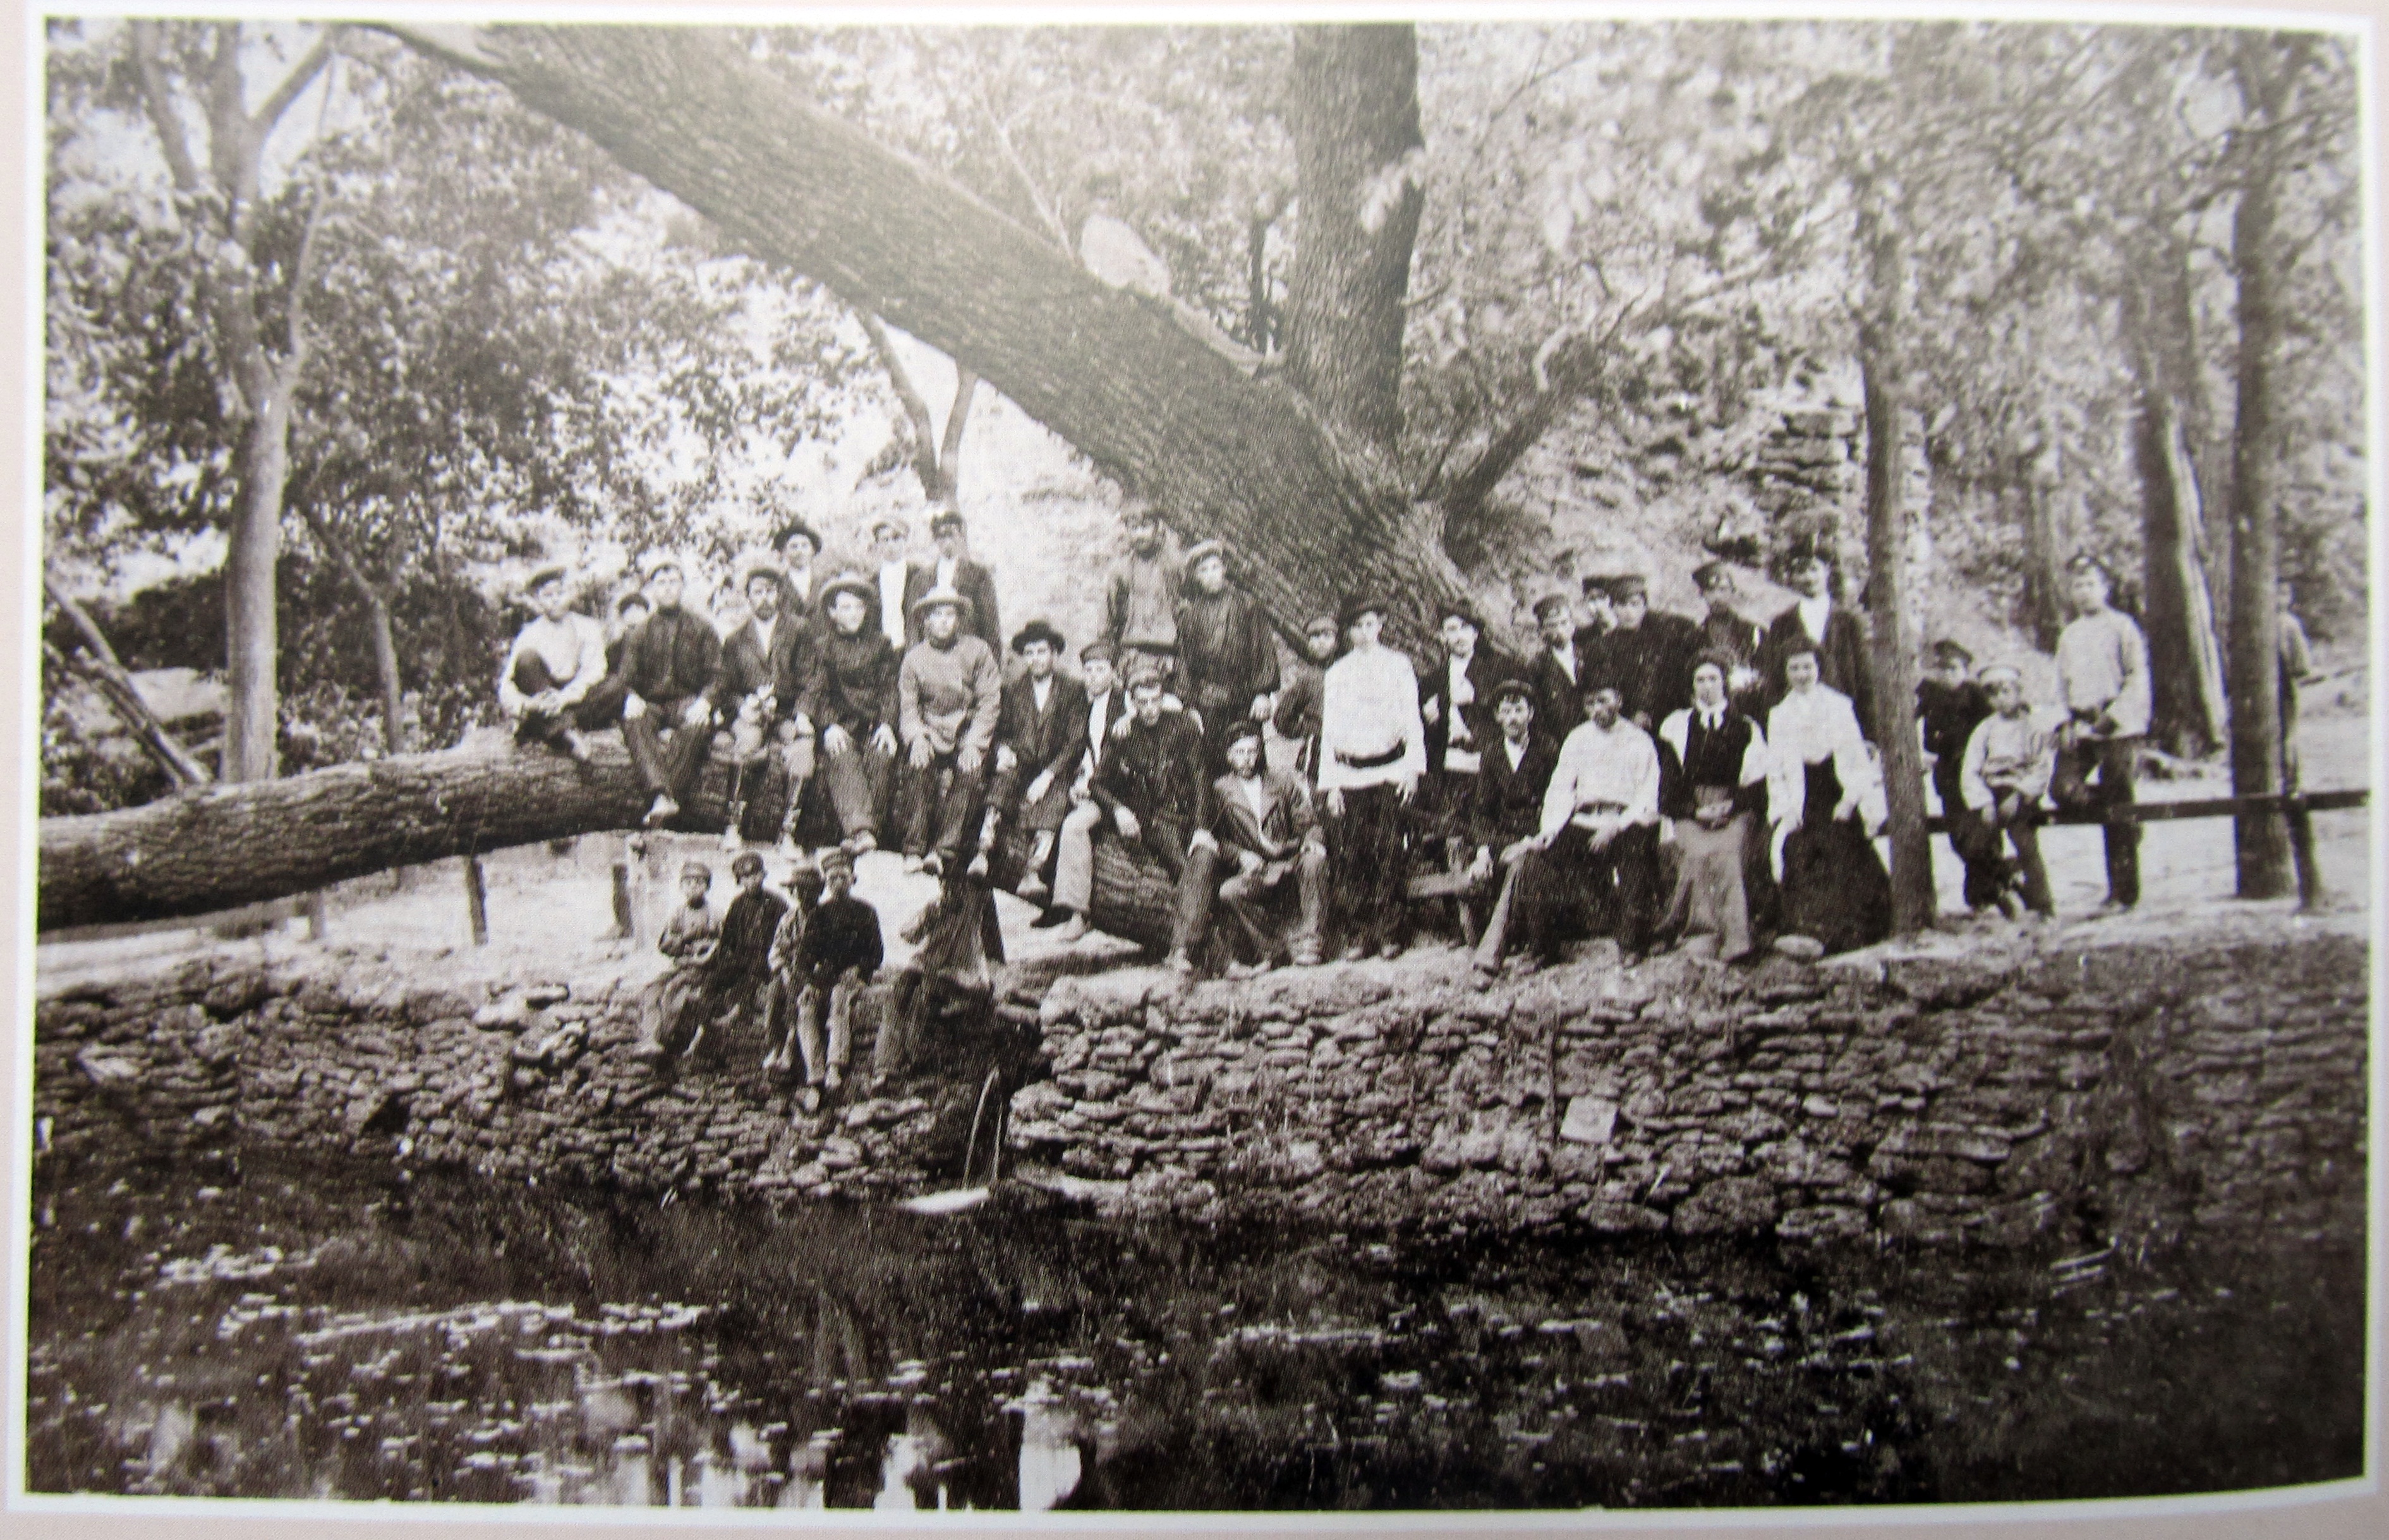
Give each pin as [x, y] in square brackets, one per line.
[445, 1341]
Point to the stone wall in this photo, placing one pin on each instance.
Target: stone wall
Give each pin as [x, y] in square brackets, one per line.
[1987, 1095]
[1939, 1098]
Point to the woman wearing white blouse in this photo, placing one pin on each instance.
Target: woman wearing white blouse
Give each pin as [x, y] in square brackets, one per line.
[1825, 796]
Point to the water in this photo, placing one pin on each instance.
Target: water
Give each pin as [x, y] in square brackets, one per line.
[348, 1331]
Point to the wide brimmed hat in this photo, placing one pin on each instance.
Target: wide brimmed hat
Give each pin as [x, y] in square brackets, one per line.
[794, 527]
[541, 577]
[1200, 549]
[1039, 630]
[942, 595]
[847, 582]
[948, 518]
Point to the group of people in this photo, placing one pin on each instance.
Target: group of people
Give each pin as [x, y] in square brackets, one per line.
[1647, 775]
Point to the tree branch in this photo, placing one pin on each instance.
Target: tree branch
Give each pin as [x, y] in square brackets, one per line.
[949, 447]
[1054, 224]
[301, 74]
[916, 406]
[108, 675]
[158, 102]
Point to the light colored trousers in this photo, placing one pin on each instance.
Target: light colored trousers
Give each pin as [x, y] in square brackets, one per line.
[1074, 869]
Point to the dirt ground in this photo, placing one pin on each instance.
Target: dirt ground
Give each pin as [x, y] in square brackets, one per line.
[550, 911]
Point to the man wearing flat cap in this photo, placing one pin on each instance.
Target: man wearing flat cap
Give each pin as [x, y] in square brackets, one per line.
[672, 666]
[1295, 715]
[1650, 652]
[956, 572]
[821, 964]
[1140, 594]
[556, 662]
[1041, 736]
[1560, 668]
[1270, 837]
[1508, 809]
[1227, 659]
[770, 686]
[855, 712]
[1372, 753]
[1153, 788]
[948, 694]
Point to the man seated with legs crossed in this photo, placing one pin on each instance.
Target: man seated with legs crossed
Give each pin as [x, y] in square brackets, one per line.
[1267, 830]
[1599, 839]
[1152, 789]
[1508, 809]
[555, 662]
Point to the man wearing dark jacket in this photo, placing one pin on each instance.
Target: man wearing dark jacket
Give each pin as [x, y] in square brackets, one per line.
[1508, 808]
[1457, 707]
[741, 963]
[1227, 659]
[1568, 655]
[855, 713]
[771, 681]
[1269, 830]
[955, 569]
[1726, 633]
[672, 669]
[1153, 787]
[1041, 736]
[1295, 715]
[1820, 620]
[822, 962]
[1651, 653]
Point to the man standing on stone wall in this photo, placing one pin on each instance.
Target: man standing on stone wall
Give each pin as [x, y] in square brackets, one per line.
[1141, 596]
[1372, 753]
[1458, 712]
[673, 670]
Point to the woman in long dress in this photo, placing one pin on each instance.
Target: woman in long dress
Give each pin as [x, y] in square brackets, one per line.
[1825, 796]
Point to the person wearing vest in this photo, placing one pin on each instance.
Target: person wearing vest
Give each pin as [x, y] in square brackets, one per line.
[891, 580]
[1269, 832]
[1713, 792]
[672, 669]
[1458, 713]
[1372, 753]
[771, 684]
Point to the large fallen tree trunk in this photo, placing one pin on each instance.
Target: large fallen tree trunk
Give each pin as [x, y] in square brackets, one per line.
[222, 847]
[1247, 460]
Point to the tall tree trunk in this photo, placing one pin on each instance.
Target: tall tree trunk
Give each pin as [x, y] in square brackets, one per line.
[2185, 664]
[1111, 372]
[1893, 646]
[2044, 612]
[2260, 840]
[1353, 112]
[252, 634]
[393, 693]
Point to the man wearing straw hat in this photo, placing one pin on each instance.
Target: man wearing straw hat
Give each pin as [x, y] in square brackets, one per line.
[949, 695]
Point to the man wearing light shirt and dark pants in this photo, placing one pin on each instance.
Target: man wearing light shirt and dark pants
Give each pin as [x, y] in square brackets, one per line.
[2102, 671]
[1599, 834]
[1372, 752]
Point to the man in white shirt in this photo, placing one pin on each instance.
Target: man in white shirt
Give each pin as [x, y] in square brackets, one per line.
[894, 579]
[1372, 752]
[1598, 843]
[555, 661]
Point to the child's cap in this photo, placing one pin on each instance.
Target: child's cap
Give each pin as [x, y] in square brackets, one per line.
[699, 869]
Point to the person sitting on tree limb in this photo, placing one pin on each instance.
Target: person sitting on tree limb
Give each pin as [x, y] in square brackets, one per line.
[672, 667]
[772, 673]
[555, 664]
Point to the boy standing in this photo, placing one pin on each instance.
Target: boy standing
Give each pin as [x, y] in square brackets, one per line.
[2102, 671]
[1948, 707]
[1372, 752]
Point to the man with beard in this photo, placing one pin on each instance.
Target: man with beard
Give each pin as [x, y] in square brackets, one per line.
[1153, 788]
[799, 545]
[771, 679]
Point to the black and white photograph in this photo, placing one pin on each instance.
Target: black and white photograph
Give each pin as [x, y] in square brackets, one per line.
[1275, 765]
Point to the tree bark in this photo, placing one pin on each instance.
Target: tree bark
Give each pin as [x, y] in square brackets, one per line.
[2260, 840]
[218, 847]
[2185, 664]
[2044, 614]
[1913, 904]
[105, 674]
[252, 628]
[377, 626]
[1248, 461]
[1353, 112]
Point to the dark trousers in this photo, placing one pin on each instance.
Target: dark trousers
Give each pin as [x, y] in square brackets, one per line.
[857, 777]
[2027, 872]
[1251, 898]
[2117, 763]
[1976, 845]
[1044, 815]
[1193, 876]
[667, 770]
[943, 797]
[1619, 884]
[531, 676]
[1372, 866]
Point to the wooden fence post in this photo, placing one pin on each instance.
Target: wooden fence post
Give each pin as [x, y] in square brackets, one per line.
[625, 927]
[319, 916]
[476, 901]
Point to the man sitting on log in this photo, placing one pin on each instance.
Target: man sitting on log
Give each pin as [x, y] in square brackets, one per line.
[856, 711]
[1153, 788]
[1227, 659]
[772, 679]
[1712, 768]
[1372, 752]
[948, 694]
[1041, 736]
[672, 666]
[602, 708]
[556, 662]
[1074, 859]
[1509, 810]
[1297, 716]
[1269, 830]
[821, 964]
[1598, 844]
[689, 938]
